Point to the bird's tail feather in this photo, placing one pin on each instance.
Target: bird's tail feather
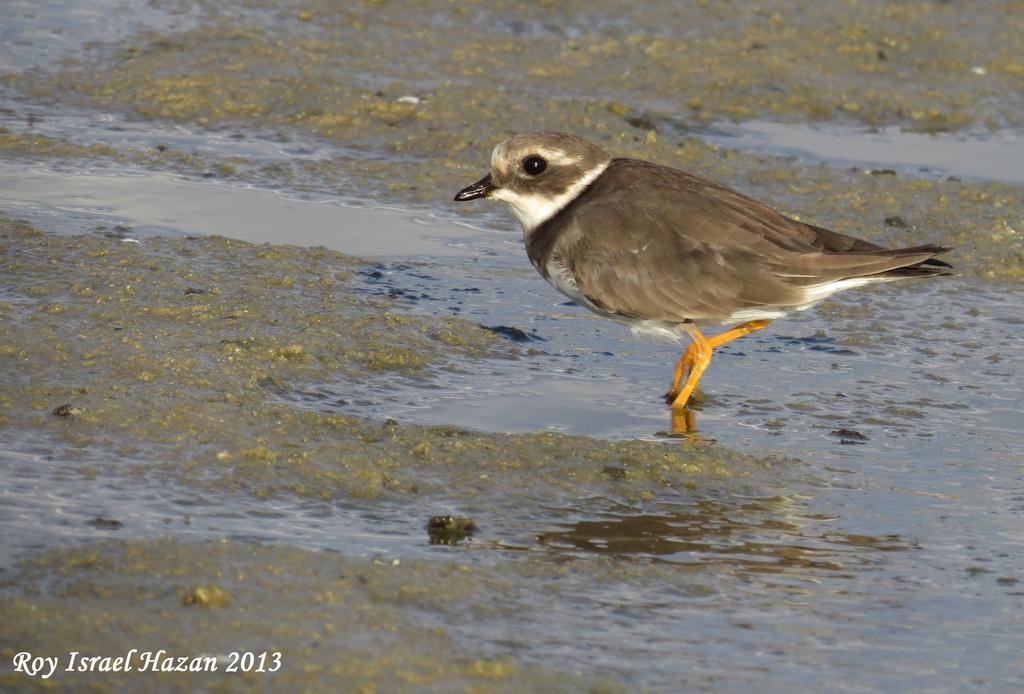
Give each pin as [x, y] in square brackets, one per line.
[929, 267]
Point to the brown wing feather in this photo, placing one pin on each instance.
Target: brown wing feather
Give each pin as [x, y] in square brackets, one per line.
[666, 276]
[661, 244]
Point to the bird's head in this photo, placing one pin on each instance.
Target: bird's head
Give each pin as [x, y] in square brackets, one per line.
[538, 174]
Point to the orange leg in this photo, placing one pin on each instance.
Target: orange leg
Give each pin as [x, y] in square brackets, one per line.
[698, 356]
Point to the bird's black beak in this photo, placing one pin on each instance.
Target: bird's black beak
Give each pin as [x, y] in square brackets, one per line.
[480, 189]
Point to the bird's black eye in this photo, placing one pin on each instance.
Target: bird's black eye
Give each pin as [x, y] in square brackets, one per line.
[534, 165]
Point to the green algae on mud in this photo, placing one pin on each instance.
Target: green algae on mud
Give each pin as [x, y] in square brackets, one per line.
[37, 147]
[192, 356]
[340, 624]
[297, 174]
[329, 69]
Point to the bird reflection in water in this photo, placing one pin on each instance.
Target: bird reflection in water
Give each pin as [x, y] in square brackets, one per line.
[763, 535]
[683, 424]
[683, 421]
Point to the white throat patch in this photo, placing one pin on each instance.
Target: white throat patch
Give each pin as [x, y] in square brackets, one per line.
[534, 209]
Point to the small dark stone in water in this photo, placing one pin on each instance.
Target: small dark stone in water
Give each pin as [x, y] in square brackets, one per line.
[849, 436]
[641, 122]
[106, 523]
[514, 334]
[194, 290]
[66, 410]
[396, 293]
[614, 473]
[896, 221]
[953, 179]
[209, 174]
[882, 172]
[449, 530]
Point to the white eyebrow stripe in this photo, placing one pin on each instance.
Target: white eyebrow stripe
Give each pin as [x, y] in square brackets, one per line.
[498, 156]
[556, 156]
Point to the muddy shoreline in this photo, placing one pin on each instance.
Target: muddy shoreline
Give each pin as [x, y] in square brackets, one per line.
[422, 469]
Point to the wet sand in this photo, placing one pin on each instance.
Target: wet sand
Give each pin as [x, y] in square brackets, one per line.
[264, 388]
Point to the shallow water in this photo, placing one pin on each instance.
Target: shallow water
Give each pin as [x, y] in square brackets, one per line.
[994, 156]
[852, 521]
